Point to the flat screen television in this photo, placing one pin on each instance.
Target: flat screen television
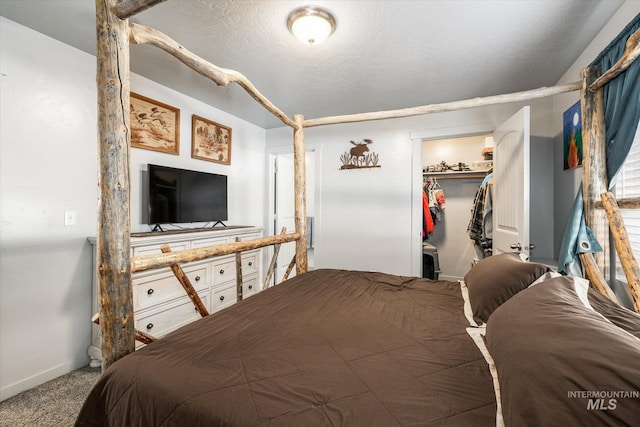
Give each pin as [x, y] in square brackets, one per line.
[180, 196]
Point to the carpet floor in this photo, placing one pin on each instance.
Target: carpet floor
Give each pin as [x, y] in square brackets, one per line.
[53, 404]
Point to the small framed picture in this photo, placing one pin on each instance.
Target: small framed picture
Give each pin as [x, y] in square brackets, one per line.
[572, 137]
[154, 125]
[210, 141]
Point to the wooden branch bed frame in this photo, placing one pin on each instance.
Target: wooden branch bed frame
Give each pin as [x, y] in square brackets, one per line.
[114, 262]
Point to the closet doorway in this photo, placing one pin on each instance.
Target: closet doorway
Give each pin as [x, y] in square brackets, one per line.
[453, 171]
[522, 194]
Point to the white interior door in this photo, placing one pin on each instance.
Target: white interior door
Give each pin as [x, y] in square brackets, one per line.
[284, 211]
[511, 160]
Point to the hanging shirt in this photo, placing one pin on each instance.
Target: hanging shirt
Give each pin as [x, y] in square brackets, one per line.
[480, 226]
[428, 220]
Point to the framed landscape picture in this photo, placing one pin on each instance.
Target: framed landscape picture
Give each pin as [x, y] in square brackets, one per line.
[210, 141]
[572, 137]
[154, 125]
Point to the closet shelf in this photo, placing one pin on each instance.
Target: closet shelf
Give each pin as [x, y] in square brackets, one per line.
[457, 175]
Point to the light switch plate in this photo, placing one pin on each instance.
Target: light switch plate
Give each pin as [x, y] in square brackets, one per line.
[69, 217]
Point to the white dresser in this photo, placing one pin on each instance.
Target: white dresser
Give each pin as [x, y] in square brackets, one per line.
[160, 304]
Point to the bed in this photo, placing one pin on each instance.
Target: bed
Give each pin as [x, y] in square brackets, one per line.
[115, 264]
[513, 344]
[329, 347]
[510, 344]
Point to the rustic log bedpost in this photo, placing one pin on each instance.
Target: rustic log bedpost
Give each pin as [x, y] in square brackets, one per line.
[113, 257]
[239, 286]
[300, 193]
[594, 178]
[143, 337]
[623, 247]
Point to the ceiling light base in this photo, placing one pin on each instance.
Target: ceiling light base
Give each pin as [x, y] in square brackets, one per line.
[311, 25]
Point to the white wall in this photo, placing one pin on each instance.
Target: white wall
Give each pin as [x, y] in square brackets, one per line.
[48, 164]
[453, 150]
[346, 196]
[567, 182]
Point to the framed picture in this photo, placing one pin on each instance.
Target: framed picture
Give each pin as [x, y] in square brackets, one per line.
[154, 125]
[210, 141]
[572, 137]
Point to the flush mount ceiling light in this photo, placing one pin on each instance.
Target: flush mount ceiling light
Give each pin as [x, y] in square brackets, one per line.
[311, 25]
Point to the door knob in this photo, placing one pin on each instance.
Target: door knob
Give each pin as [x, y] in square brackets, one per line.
[516, 246]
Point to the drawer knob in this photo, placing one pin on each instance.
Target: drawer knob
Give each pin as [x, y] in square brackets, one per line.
[250, 286]
[221, 271]
[250, 263]
[150, 291]
[197, 278]
[222, 298]
[150, 326]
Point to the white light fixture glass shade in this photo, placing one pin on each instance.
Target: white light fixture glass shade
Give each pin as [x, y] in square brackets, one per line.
[311, 25]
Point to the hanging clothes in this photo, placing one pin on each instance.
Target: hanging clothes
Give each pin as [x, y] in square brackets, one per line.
[427, 220]
[436, 198]
[480, 226]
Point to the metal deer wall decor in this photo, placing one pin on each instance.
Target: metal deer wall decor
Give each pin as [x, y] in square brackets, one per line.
[359, 156]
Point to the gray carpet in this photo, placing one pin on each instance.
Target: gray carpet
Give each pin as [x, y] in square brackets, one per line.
[52, 404]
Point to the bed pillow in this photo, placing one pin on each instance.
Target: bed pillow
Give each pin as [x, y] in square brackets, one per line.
[495, 279]
[581, 368]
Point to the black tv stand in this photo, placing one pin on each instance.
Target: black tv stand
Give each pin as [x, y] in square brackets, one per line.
[218, 222]
[158, 227]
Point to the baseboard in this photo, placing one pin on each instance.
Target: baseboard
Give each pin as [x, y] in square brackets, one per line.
[35, 380]
[450, 278]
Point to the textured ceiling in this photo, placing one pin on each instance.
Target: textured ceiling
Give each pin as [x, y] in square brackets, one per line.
[383, 55]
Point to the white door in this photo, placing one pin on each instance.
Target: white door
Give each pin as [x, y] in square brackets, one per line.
[511, 165]
[284, 211]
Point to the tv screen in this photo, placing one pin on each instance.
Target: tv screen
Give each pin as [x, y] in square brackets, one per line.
[180, 195]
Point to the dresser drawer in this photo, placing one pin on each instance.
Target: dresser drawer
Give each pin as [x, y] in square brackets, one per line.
[251, 236]
[250, 263]
[250, 286]
[170, 317]
[223, 296]
[155, 248]
[201, 243]
[159, 288]
[224, 270]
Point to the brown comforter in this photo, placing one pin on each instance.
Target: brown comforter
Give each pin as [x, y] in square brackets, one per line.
[329, 347]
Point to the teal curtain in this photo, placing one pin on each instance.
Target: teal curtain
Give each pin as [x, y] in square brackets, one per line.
[621, 101]
[622, 112]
